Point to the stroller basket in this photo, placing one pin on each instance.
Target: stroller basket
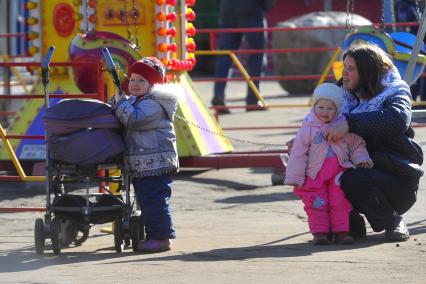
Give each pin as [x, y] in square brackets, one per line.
[80, 210]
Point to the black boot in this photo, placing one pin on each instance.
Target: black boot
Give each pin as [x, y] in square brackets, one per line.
[220, 102]
[377, 209]
[357, 227]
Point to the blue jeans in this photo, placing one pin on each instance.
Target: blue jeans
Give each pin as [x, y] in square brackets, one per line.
[153, 194]
[232, 41]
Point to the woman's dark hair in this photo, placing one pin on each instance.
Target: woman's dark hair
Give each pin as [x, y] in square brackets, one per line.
[372, 63]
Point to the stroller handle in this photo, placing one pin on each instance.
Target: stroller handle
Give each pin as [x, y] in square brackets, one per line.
[111, 67]
[47, 58]
[45, 66]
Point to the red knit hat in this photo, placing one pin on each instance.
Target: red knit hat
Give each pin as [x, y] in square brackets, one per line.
[150, 68]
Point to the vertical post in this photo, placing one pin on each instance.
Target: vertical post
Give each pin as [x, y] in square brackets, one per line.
[45, 81]
[388, 13]
[6, 71]
[408, 76]
[6, 75]
[212, 41]
[102, 92]
[328, 5]
[183, 26]
[85, 21]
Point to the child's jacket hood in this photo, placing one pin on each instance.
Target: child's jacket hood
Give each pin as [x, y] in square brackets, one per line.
[168, 96]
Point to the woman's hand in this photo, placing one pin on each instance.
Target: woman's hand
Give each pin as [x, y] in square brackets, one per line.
[289, 145]
[364, 165]
[337, 130]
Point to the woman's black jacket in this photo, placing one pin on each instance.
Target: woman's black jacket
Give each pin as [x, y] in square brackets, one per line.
[389, 137]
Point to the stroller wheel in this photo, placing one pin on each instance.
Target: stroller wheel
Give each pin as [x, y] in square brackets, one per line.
[118, 234]
[277, 178]
[39, 239]
[137, 231]
[68, 233]
[79, 240]
[55, 235]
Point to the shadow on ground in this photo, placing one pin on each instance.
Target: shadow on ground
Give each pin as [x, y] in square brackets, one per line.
[25, 259]
[259, 198]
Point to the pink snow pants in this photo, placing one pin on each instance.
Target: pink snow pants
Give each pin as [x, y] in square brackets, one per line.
[325, 203]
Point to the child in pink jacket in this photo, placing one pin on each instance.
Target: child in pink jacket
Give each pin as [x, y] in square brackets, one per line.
[315, 166]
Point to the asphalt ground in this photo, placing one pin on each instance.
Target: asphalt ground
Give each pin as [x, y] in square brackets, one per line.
[232, 225]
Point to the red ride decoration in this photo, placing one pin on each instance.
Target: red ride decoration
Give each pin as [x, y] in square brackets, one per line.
[88, 48]
[171, 17]
[91, 3]
[160, 2]
[63, 19]
[171, 32]
[191, 46]
[162, 47]
[162, 32]
[171, 2]
[30, 5]
[191, 31]
[181, 65]
[172, 47]
[161, 16]
[92, 18]
[190, 2]
[172, 64]
[190, 15]
[185, 65]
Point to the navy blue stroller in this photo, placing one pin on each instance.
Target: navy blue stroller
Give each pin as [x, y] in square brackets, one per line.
[84, 149]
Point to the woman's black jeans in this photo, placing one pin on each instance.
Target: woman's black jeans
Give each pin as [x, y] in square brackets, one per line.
[377, 194]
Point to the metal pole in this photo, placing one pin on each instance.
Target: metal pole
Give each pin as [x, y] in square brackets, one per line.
[408, 76]
[388, 14]
[45, 81]
[7, 26]
[85, 16]
[6, 71]
[328, 5]
[183, 30]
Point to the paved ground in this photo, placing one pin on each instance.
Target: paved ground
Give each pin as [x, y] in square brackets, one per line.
[232, 226]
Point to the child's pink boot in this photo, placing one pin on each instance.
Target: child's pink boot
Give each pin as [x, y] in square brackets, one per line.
[151, 246]
[320, 239]
[344, 238]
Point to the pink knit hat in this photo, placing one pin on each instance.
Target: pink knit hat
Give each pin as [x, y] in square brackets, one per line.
[150, 68]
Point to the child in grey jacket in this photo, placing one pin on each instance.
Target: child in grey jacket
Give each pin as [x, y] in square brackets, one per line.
[147, 114]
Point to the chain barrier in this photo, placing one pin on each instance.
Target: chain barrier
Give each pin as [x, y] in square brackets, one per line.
[135, 14]
[133, 39]
[266, 145]
[419, 9]
[349, 14]
[124, 16]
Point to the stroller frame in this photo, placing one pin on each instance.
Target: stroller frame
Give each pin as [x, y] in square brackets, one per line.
[62, 222]
[70, 214]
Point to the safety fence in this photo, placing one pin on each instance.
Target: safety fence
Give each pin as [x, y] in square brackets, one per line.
[232, 160]
[100, 95]
[213, 34]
